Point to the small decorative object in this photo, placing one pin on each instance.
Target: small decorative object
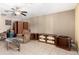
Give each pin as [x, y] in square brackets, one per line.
[7, 22]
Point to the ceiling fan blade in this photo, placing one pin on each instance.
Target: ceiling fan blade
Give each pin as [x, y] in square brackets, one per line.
[13, 14]
[23, 14]
[3, 14]
[24, 11]
[8, 11]
[12, 8]
[17, 7]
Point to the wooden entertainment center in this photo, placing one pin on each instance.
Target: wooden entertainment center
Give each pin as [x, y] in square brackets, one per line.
[60, 41]
[19, 26]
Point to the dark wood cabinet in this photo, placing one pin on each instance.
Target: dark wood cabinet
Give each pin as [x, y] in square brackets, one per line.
[34, 36]
[15, 27]
[25, 25]
[19, 26]
[63, 42]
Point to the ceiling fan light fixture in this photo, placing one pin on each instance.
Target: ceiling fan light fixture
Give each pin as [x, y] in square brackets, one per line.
[17, 13]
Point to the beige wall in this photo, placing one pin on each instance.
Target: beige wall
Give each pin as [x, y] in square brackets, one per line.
[38, 24]
[3, 27]
[62, 23]
[77, 24]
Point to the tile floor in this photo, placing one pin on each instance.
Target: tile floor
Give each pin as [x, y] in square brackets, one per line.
[35, 48]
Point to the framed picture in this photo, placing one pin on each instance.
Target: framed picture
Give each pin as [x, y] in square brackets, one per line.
[7, 22]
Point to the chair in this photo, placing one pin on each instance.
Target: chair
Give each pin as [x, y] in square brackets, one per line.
[12, 41]
[3, 36]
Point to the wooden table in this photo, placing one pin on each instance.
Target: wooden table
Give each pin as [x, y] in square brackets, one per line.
[12, 43]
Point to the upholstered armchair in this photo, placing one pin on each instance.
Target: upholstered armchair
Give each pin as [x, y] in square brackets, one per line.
[26, 36]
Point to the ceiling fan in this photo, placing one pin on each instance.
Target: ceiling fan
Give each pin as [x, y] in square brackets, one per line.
[17, 11]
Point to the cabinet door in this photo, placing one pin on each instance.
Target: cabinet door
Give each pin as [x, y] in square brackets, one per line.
[15, 27]
[25, 25]
[20, 27]
[63, 43]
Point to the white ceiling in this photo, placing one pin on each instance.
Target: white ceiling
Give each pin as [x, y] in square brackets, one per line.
[37, 9]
